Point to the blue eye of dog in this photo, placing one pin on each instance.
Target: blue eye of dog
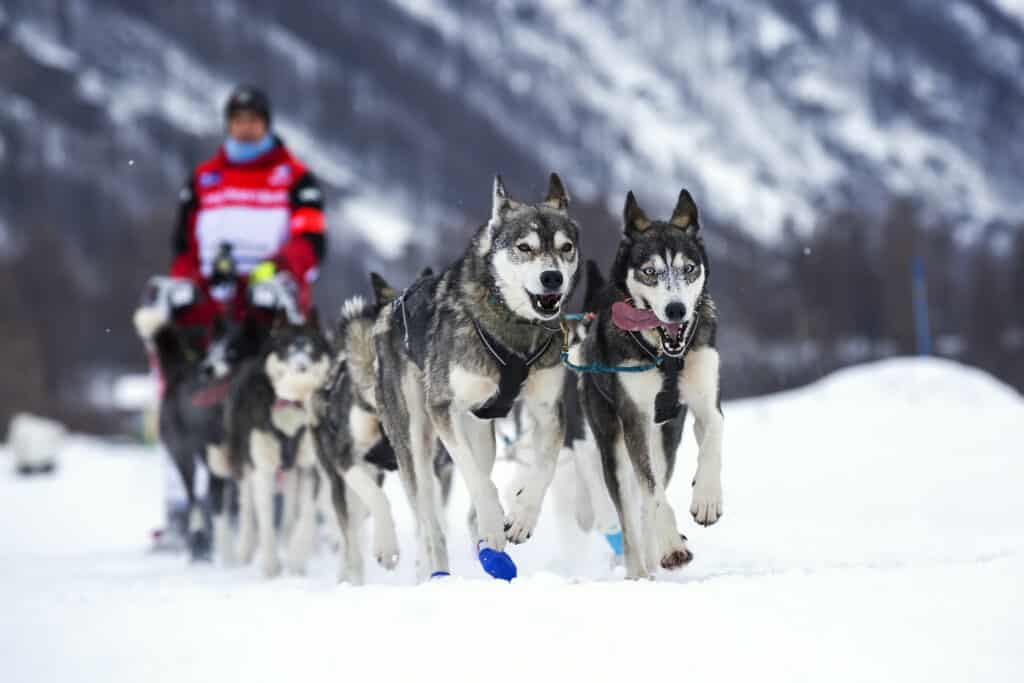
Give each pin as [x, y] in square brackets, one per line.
[525, 248]
[650, 271]
[689, 268]
[567, 247]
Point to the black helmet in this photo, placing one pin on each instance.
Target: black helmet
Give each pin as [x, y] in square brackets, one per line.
[248, 98]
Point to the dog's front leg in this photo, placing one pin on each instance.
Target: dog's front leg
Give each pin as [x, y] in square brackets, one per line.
[699, 388]
[542, 399]
[303, 534]
[266, 456]
[470, 441]
[289, 500]
[246, 520]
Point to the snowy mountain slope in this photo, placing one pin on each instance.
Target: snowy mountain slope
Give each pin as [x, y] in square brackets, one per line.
[873, 530]
[770, 110]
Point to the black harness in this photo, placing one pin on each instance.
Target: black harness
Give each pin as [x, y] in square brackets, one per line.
[514, 370]
[414, 311]
[667, 403]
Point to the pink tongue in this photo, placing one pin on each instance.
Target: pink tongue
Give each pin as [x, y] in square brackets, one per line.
[673, 329]
[628, 318]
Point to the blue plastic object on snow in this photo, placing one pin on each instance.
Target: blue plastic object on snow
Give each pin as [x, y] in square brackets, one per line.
[439, 575]
[497, 564]
[615, 541]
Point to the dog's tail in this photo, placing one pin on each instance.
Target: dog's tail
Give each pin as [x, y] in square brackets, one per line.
[595, 283]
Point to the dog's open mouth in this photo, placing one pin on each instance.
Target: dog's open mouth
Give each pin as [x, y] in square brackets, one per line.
[546, 304]
[672, 338]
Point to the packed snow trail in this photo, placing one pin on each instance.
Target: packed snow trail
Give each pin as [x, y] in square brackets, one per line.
[873, 530]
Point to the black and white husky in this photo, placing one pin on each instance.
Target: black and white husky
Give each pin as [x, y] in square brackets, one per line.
[457, 350]
[649, 356]
[191, 408]
[267, 419]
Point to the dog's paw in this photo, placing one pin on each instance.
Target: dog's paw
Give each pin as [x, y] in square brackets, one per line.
[706, 506]
[386, 552]
[270, 566]
[245, 551]
[678, 556]
[521, 521]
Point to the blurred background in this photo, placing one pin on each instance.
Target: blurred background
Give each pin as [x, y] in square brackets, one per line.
[858, 170]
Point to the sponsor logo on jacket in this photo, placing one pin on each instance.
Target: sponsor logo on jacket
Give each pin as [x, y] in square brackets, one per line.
[281, 175]
[209, 178]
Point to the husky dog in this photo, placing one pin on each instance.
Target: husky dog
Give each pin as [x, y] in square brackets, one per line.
[579, 494]
[457, 350]
[267, 425]
[191, 409]
[353, 452]
[656, 313]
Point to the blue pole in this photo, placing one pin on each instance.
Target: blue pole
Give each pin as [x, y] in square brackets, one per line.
[922, 329]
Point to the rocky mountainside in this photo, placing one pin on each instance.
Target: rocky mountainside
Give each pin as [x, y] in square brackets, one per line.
[773, 112]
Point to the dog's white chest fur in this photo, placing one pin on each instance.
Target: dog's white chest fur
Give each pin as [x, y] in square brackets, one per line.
[642, 388]
[288, 418]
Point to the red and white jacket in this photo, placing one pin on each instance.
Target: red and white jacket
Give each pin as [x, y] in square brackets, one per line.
[270, 208]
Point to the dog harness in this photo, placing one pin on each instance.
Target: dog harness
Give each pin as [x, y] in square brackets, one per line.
[514, 370]
[289, 444]
[415, 309]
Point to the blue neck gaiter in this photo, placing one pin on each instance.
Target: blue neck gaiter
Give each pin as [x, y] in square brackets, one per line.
[239, 152]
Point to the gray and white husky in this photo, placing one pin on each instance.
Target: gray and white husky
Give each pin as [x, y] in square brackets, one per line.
[655, 313]
[460, 348]
[267, 419]
[353, 450]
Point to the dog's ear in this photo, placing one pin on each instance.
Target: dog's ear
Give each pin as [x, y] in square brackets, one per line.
[685, 214]
[382, 291]
[557, 197]
[313, 319]
[633, 216]
[501, 201]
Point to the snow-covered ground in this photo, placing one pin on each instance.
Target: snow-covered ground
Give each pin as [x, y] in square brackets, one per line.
[874, 530]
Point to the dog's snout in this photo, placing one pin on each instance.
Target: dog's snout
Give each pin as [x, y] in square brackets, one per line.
[551, 279]
[675, 312]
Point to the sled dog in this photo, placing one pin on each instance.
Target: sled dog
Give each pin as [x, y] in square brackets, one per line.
[456, 351]
[656, 327]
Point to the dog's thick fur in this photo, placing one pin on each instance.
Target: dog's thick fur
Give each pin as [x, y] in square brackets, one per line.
[191, 429]
[267, 423]
[438, 375]
[637, 418]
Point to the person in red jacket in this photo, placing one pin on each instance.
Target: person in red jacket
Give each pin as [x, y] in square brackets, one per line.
[250, 213]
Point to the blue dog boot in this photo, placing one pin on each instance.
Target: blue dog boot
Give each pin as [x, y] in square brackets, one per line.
[496, 563]
[615, 541]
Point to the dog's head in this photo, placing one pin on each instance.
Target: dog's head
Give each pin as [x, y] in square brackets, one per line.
[663, 267]
[232, 344]
[298, 357]
[531, 251]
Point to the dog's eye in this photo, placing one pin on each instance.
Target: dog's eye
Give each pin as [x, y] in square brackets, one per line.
[524, 247]
[650, 271]
[567, 248]
[689, 267]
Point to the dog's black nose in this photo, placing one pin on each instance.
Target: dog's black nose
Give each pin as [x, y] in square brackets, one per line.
[675, 312]
[207, 371]
[551, 279]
